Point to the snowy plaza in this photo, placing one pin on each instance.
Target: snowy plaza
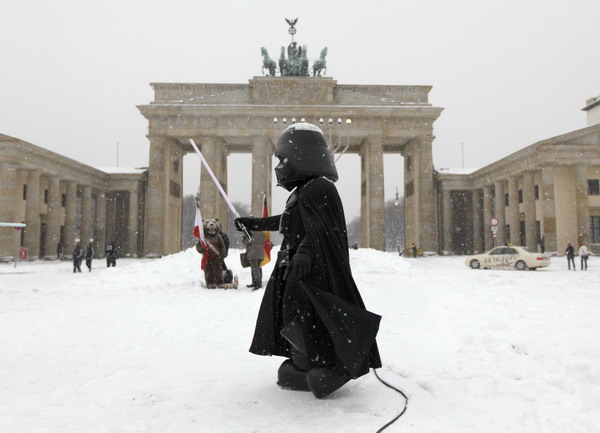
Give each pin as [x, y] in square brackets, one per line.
[144, 348]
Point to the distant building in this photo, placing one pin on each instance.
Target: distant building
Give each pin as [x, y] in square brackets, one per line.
[592, 108]
[542, 196]
[62, 200]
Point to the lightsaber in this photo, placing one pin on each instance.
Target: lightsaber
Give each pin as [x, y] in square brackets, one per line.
[222, 191]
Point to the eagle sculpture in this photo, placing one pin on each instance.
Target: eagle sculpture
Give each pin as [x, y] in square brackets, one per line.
[293, 22]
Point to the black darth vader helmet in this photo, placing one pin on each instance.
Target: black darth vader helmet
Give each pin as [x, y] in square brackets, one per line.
[303, 153]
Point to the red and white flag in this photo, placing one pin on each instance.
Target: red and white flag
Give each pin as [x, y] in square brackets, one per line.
[198, 231]
[267, 245]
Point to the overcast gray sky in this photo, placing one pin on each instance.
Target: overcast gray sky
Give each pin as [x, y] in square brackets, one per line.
[507, 73]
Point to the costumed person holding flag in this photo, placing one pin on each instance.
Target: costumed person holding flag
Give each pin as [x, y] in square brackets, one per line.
[312, 312]
[212, 248]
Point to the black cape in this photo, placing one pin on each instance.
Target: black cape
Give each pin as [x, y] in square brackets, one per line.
[324, 311]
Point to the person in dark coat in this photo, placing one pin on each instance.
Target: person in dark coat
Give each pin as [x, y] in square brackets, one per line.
[89, 255]
[570, 253]
[312, 312]
[77, 258]
[111, 255]
[255, 253]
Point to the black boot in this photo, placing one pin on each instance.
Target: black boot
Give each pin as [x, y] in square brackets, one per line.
[322, 381]
[291, 377]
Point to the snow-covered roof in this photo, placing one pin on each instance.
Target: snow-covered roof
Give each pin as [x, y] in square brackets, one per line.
[122, 170]
[456, 170]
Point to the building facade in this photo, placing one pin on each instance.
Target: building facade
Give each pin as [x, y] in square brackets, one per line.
[542, 197]
[63, 202]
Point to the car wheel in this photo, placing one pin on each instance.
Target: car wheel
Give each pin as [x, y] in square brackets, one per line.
[520, 265]
[475, 264]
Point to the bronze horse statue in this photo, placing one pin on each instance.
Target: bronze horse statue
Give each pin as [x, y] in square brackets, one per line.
[320, 64]
[268, 62]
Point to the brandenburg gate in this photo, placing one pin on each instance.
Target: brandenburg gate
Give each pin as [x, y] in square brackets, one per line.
[232, 118]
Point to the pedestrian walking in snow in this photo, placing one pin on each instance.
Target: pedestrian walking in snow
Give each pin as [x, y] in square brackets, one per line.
[77, 258]
[312, 312]
[583, 256]
[255, 253]
[570, 253]
[89, 256]
[111, 255]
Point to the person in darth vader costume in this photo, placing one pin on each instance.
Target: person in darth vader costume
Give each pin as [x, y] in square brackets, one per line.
[312, 312]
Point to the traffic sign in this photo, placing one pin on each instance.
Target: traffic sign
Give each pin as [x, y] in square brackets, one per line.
[494, 229]
[494, 221]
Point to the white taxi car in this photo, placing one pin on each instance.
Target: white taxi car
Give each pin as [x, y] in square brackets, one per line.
[510, 257]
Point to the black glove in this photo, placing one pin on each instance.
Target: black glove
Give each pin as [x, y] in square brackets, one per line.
[300, 265]
[243, 221]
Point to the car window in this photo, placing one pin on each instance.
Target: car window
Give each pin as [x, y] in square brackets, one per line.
[496, 251]
[510, 251]
[529, 250]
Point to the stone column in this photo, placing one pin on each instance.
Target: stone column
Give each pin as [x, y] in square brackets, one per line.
[487, 216]
[582, 205]
[261, 174]
[426, 197]
[478, 245]
[132, 224]
[155, 215]
[372, 195]
[513, 214]
[364, 200]
[209, 194]
[54, 217]
[86, 215]
[447, 223]
[100, 224]
[32, 214]
[565, 204]
[10, 195]
[499, 211]
[548, 205]
[70, 218]
[529, 210]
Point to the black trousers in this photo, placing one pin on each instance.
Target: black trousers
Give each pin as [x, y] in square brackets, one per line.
[256, 273]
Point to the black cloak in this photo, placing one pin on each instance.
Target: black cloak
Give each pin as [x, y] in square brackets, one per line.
[322, 314]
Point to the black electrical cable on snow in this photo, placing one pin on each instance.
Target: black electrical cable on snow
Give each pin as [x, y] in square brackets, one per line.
[398, 391]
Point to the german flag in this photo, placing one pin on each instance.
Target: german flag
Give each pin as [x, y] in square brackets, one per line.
[267, 245]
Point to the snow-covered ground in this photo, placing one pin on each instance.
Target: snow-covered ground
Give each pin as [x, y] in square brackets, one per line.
[143, 348]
